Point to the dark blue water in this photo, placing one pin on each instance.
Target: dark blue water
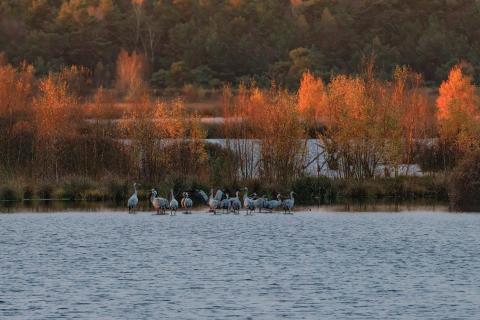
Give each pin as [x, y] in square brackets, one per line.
[413, 265]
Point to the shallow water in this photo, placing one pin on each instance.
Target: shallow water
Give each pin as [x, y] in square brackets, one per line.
[111, 265]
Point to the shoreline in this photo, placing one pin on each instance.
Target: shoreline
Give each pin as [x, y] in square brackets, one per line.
[84, 206]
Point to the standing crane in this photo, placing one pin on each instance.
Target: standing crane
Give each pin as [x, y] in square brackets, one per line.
[248, 203]
[225, 203]
[288, 204]
[274, 203]
[159, 203]
[187, 203]
[260, 203]
[173, 204]
[235, 203]
[133, 200]
[214, 202]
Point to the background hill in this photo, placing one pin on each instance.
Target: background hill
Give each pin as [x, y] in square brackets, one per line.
[209, 42]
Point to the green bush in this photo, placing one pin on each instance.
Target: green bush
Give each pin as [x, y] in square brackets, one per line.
[45, 191]
[117, 190]
[7, 193]
[401, 188]
[28, 192]
[74, 189]
[313, 190]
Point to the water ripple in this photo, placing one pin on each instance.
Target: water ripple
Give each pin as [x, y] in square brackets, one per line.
[306, 266]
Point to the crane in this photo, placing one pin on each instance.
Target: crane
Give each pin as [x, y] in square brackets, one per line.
[187, 203]
[248, 203]
[159, 203]
[173, 204]
[133, 200]
[288, 204]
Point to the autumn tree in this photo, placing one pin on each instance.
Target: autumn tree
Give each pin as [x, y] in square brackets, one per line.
[16, 131]
[458, 112]
[350, 138]
[139, 125]
[282, 136]
[238, 112]
[182, 142]
[311, 97]
[163, 142]
[78, 80]
[106, 152]
[131, 71]
[56, 118]
[416, 121]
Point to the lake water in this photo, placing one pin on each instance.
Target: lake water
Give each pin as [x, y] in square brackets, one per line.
[311, 265]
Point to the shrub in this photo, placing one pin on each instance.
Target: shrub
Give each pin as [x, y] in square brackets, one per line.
[75, 189]
[464, 184]
[8, 194]
[192, 93]
[222, 164]
[45, 191]
[28, 192]
[311, 190]
[117, 190]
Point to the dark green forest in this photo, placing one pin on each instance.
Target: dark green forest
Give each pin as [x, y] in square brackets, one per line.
[210, 42]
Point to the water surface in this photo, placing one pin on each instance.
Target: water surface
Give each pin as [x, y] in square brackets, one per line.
[111, 265]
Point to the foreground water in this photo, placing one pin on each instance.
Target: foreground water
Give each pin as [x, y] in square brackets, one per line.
[110, 265]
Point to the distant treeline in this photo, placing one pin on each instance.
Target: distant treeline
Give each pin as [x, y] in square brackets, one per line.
[210, 42]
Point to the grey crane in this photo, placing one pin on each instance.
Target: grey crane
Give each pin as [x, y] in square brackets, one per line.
[214, 202]
[274, 203]
[133, 200]
[260, 203]
[173, 204]
[248, 203]
[159, 203]
[187, 203]
[225, 203]
[288, 204]
[219, 195]
[235, 203]
[203, 195]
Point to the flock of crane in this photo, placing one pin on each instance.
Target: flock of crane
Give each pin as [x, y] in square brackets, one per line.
[220, 202]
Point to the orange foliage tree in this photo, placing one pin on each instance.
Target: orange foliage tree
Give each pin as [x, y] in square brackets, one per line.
[16, 131]
[183, 143]
[56, 118]
[163, 142]
[370, 122]
[282, 136]
[350, 138]
[265, 132]
[416, 116]
[458, 111]
[131, 71]
[311, 97]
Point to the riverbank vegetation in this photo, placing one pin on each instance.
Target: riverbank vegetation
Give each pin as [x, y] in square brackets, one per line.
[330, 128]
[370, 134]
